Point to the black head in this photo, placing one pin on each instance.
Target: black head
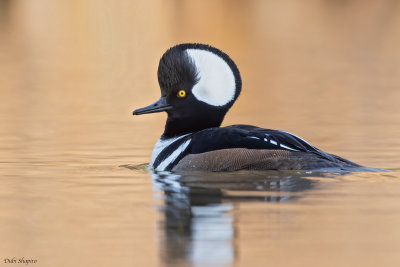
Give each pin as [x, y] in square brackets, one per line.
[199, 84]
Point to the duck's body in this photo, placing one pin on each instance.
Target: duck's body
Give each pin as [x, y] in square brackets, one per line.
[243, 147]
[199, 84]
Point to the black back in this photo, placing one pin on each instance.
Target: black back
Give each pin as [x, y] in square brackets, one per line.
[240, 136]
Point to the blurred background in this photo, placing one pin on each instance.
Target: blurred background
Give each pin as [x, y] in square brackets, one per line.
[325, 70]
[71, 72]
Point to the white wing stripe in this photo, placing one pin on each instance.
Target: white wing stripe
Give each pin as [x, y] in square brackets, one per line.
[286, 147]
[299, 138]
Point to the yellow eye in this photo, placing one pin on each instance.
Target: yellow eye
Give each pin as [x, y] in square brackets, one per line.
[181, 93]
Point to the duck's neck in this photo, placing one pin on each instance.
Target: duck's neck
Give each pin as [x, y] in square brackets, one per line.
[177, 127]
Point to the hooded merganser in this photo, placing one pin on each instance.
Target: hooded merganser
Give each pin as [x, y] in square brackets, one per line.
[199, 84]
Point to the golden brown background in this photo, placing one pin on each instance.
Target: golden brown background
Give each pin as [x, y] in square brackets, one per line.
[71, 72]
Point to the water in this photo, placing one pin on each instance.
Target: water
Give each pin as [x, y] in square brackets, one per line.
[73, 71]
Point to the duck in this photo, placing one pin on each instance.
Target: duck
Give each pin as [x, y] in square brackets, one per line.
[199, 84]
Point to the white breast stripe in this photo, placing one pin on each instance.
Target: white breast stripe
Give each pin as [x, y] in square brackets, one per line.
[161, 145]
[286, 147]
[173, 156]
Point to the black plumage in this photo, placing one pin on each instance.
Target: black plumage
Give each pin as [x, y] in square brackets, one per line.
[193, 138]
[297, 153]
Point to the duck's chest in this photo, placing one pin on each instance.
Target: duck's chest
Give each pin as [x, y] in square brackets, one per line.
[168, 151]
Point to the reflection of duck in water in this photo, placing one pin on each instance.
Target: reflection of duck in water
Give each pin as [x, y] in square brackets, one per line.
[211, 188]
[199, 84]
[199, 223]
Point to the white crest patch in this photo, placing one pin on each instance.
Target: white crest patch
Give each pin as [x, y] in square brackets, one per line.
[217, 83]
